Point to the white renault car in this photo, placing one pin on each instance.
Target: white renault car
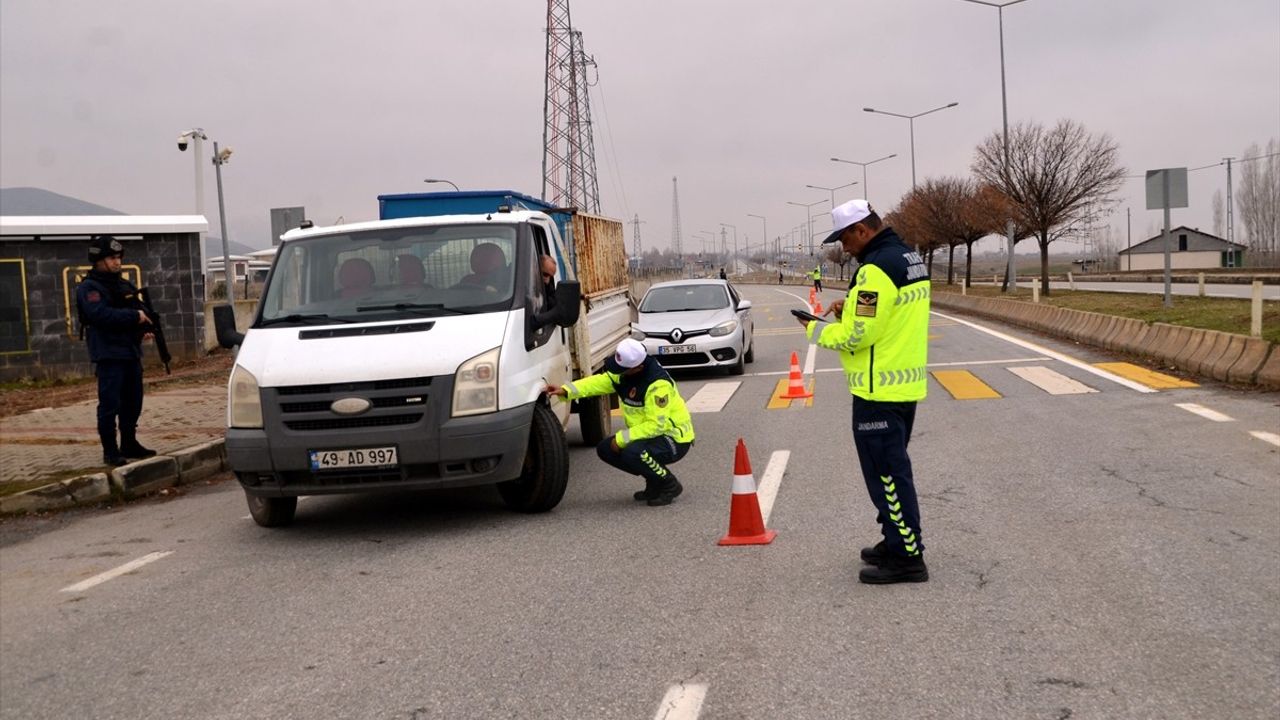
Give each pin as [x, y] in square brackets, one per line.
[696, 323]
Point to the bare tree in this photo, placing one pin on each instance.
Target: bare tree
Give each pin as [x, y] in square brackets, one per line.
[836, 255]
[1054, 177]
[1259, 200]
[1219, 214]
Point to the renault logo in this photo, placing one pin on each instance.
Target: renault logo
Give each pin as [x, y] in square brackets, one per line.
[677, 335]
[350, 405]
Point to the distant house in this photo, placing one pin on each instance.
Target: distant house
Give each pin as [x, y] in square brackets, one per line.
[1189, 249]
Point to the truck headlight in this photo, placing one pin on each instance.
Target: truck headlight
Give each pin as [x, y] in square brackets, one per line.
[244, 402]
[475, 386]
[724, 328]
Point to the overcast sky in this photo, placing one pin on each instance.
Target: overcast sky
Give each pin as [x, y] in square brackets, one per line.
[328, 105]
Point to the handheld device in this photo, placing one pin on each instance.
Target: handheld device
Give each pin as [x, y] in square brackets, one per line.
[806, 315]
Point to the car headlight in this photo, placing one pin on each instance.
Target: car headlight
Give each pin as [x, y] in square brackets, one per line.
[244, 402]
[475, 386]
[637, 335]
[724, 328]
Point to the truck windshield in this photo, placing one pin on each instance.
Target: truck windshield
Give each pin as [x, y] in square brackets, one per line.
[392, 273]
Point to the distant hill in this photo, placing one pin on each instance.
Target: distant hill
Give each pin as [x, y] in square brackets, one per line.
[37, 201]
[213, 247]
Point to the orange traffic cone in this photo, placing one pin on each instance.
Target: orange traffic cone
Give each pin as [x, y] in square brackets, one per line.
[795, 383]
[817, 306]
[746, 526]
[813, 296]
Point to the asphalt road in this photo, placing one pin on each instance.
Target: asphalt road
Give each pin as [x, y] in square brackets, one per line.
[1105, 554]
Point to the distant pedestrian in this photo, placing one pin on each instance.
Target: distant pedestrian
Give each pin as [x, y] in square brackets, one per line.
[779, 277]
[114, 326]
[883, 346]
[659, 429]
[722, 275]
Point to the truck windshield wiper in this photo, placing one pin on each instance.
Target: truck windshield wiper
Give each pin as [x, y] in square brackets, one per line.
[408, 306]
[300, 318]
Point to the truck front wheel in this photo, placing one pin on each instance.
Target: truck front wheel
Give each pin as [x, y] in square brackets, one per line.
[272, 511]
[545, 474]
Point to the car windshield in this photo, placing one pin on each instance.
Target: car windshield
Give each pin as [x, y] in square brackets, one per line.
[392, 273]
[683, 298]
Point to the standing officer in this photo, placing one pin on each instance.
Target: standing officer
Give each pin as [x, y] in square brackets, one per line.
[817, 277]
[114, 326]
[659, 429]
[883, 345]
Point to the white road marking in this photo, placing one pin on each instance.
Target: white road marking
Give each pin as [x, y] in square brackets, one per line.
[770, 481]
[1051, 381]
[1052, 354]
[810, 359]
[712, 397]
[950, 364]
[1205, 412]
[682, 702]
[116, 572]
[1266, 437]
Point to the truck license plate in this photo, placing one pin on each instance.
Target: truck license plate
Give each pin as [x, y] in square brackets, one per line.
[675, 349]
[353, 458]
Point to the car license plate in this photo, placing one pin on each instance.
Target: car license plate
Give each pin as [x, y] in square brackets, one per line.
[353, 458]
[675, 349]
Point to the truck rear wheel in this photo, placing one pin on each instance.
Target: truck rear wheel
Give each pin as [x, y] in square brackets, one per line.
[272, 511]
[595, 418]
[545, 474]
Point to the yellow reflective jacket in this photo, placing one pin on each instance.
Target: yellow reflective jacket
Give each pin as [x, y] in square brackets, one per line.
[883, 334]
[651, 404]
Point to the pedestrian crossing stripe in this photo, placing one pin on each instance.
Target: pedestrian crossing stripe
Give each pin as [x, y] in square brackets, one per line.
[1051, 381]
[712, 397]
[964, 385]
[1147, 377]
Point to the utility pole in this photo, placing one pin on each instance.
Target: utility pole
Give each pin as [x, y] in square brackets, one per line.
[676, 244]
[568, 150]
[635, 237]
[1231, 228]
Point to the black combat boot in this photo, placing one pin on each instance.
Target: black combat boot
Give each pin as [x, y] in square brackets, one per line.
[650, 491]
[668, 492]
[875, 554]
[111, 453]
[131, 448]
[895, 569]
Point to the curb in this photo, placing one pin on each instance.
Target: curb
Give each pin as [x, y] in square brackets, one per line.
[181, 467]
[1205, 353]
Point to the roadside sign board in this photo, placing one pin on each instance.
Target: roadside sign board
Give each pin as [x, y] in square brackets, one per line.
[1177, 188]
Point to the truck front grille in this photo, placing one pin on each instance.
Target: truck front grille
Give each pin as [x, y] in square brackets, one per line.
[398, 401]
[355, 422]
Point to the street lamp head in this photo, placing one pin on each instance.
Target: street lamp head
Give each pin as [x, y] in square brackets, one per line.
[438, 180]
[868, 109]
[953, 104]
[222, 156]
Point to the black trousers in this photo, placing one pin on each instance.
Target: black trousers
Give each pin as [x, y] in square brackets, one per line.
[881, 431]
[647, 458]
[119, 396]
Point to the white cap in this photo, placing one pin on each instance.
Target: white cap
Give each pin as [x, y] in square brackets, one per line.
[842, 216]
[630, 353]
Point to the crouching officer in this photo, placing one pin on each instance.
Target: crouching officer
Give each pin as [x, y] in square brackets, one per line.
[114, 326]
[882, 336]
[659, 430]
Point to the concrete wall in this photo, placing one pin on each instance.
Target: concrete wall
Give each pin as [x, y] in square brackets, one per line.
[1177, 260]
[169, 265]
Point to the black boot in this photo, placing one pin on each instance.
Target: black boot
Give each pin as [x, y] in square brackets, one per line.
[650, 491]
[668, 492]
[895, 569]
[875, 554]
[131, 448]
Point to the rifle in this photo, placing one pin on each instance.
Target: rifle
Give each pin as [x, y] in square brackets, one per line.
[156, 330]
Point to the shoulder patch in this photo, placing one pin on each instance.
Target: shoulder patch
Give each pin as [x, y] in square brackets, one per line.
[862, 276]
[867, 301]
[93, 296]
[661, 400]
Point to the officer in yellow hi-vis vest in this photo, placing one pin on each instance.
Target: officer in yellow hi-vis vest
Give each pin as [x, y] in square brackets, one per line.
[659, 429]
[882, 333]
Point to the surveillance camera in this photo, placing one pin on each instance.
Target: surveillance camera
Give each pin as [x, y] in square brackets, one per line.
[182, 143]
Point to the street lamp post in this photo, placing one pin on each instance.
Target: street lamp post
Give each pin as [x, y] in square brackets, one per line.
[808, 218]
[865, 193]
[735, 245]
[220, 158]
[833, 190]
[1004, 109]
[196, 137]
[764, 234]
[436, 180]
[911, 121]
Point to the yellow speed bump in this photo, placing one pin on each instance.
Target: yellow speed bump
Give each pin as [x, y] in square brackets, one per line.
[964, 385]
[777, 402]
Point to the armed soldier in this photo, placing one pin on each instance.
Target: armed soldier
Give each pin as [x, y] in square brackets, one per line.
[114, 324]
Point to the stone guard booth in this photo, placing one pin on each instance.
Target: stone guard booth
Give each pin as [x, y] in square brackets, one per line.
[43, 258]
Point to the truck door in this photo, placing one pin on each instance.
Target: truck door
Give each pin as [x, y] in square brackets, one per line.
[548, 345]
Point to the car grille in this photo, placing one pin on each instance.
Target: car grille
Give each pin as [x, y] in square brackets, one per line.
[356, 422]
[685, 335]
[395, 402]
[678, 359]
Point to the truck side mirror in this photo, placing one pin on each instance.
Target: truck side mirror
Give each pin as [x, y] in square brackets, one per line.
[568, 303]
[224, 323]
